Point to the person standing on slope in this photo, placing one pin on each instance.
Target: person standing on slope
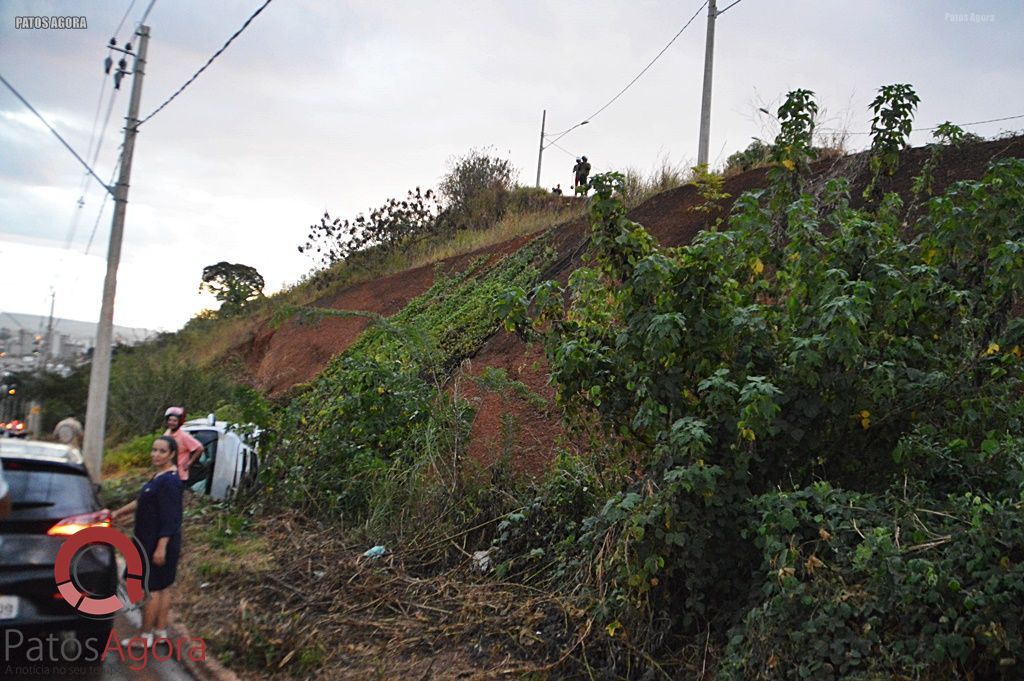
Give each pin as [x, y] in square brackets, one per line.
[582, 171]
[189, 448]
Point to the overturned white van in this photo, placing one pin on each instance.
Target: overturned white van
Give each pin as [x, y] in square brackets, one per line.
[230, 459]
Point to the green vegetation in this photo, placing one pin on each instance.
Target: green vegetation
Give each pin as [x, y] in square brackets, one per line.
[131, 455]
[477, 190]
[378, 436]
[147, 378]
[805, 433]
[794, 446]
[475, 194]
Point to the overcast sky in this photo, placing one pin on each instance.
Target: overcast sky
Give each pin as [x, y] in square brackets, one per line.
[340, 104]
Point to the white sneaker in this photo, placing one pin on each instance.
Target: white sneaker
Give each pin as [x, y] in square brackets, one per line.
[143, 640]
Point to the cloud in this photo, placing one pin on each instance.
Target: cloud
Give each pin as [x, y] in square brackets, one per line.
[323, 105]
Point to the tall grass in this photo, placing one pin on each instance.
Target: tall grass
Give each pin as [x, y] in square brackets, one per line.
[376, 262]
[210, 340]
[665, 175]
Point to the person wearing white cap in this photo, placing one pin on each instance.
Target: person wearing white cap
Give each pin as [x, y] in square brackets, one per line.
[189, 448]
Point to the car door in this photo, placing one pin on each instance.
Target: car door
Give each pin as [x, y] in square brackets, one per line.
[202, 470]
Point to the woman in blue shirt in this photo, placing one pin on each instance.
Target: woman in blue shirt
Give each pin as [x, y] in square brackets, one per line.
[158, 529]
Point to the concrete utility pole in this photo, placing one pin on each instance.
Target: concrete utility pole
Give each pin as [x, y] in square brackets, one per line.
[540, 154]
[705, 102]
[48, 348]
[99, 378]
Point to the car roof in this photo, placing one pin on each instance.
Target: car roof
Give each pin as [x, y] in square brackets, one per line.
[204, 424]
[34, 450]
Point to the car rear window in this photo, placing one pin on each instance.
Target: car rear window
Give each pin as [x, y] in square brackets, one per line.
[43, 493]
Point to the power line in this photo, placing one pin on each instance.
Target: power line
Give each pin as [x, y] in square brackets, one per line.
[656, 58]
[731, 5]
[76, 214]
[144, 14]
[204, 66]
[96, 117]
[96, 154]
[126, 13]
[55, 133]
[562, 149]
[94, 149]
[103, 130]
[103, 203]
[934, 127]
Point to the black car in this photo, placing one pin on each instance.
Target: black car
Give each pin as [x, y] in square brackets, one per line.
[51, 497]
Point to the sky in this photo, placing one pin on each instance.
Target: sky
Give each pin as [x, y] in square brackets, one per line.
[338, 105]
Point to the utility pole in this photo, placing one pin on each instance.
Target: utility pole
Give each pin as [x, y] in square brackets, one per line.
[540, 154]
[99, 377]
[705, 102]
[47, 348]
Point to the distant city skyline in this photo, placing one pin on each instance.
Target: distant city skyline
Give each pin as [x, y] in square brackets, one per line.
[77, 329]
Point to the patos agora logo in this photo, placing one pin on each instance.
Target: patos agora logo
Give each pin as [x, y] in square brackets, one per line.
[70, 587]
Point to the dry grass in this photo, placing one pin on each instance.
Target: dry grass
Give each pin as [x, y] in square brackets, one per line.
[373, 264]
[215, 339]
[665, 175]
[289, 598]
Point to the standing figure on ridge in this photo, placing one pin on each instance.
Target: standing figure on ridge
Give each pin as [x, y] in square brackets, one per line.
[582, 174]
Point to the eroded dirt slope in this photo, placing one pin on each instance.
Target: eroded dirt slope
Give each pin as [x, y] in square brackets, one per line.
[534, 437]
[278, 359]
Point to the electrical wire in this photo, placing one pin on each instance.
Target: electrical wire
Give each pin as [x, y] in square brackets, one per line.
[563, 150]
[94, 148]
[76, 214]
[96, 118]
[934, 127]
[652, 62]
[103, 130]
[204, 66]
[95, 158]
[126, 13]
[103, 203]
[55, 133]
[145, 15]
[723, 11]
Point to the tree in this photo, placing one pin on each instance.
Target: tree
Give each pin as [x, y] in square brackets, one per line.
[396, 223]
[233, 284]
[476, 189]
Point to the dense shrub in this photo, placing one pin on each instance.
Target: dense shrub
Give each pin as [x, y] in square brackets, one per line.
[807, 341]
[758, 153]
[879, 585]
[381, 406]
[396, 223]
[476, 189]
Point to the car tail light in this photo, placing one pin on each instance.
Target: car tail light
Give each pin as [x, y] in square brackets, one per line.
[75, 523]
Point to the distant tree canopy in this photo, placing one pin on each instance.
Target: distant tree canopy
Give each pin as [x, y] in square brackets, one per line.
[233, 284]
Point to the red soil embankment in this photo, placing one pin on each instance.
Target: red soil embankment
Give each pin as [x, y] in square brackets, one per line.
[670, 217]
[278, 359]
